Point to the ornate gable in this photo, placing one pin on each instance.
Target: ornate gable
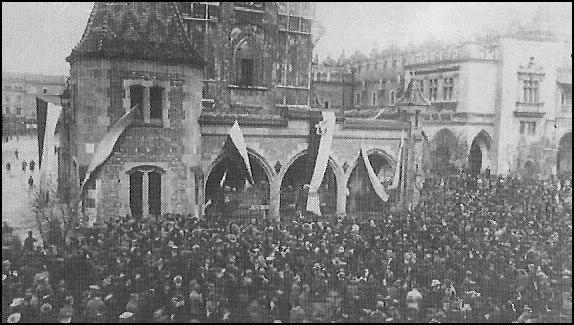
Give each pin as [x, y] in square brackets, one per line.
[136, 30]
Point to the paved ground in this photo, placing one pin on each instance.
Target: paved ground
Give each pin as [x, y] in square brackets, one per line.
[16, 196]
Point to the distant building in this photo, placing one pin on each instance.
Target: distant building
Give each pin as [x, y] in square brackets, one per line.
[19, 92]
[502, 102]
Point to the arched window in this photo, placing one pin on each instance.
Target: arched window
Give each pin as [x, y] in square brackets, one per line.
[145, 190]
[248, 57]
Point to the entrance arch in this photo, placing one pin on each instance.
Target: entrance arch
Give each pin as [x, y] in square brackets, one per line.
[293, 196]
[478, 157]
[564, 155]
[442, 151]
[226, 192]
[361, 194]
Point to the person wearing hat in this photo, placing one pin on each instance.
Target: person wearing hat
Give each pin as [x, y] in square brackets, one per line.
[46, 313]
[14, 318]
[127, 317]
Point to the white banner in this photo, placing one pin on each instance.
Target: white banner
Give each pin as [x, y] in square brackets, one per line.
[49, 170]
[326, 128]
[239, 141]
[379, 188]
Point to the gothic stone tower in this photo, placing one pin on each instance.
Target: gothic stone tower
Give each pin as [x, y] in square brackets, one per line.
[258, 54]
[135, 53]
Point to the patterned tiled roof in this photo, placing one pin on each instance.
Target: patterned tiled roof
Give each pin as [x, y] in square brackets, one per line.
[136, 30]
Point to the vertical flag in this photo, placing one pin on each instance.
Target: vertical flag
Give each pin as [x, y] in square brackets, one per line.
[237, 146]
[397, 175]
[106, 146]
[47, 155]
[41, 114]
[326, 129]
[223, 178]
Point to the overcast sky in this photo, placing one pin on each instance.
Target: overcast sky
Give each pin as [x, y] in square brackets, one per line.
[36, 37]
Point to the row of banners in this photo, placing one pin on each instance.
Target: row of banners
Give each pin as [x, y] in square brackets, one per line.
[320, 144]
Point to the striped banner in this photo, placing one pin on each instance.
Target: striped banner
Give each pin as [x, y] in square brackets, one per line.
[397, 176]
[325, 128]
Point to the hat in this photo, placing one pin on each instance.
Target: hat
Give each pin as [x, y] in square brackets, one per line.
[126, 314]
[16, 302]
[46, 308]
[108, 297]
[435, 282]
[94, 287]
[14, 318]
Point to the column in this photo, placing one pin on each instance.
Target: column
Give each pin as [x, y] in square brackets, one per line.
[341, 195]
[124, 189]
[275, 197]
[146, 102]
[165, 104]
[127, 84]
[145, 194]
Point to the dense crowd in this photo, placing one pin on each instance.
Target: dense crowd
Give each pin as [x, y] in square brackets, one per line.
[490, 249]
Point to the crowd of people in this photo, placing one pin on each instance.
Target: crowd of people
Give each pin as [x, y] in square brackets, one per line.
[487, 249]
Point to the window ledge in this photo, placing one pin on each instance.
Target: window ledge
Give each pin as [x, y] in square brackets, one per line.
[261, 88]
[538, 104]
[293, 87]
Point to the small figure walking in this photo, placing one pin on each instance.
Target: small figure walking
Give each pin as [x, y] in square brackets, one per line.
[8, 166]
[32, 164]
[30, 182]
[29, 242]
[16, 154]
[24, 165]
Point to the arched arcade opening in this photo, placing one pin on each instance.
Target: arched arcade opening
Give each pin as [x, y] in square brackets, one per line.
[478, 157]
[293, 196]
[229, 195]
[442, 152]
[361, 194]
[564, 155]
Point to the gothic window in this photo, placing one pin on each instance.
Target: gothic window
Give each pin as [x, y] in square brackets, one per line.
[392, 96]
[326, 105]
[246, 72]
[150, 99]
[248, 62]
[374, 98]
[155, 102]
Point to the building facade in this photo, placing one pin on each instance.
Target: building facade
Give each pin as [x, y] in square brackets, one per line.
[501, 102]
[19, 92]
[194, 69]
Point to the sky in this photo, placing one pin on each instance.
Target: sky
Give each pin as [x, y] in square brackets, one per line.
[37, 36]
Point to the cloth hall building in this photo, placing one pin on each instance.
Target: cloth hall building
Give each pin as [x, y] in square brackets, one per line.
[155, 88]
